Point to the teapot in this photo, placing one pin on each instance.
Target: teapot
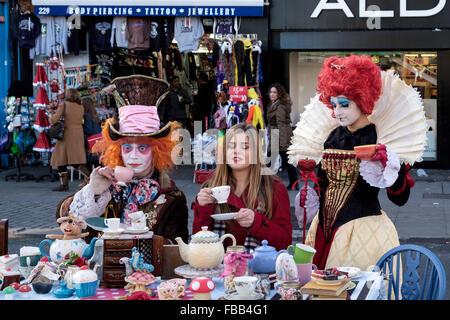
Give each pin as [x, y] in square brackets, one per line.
[205, 250]
[59, 248]
[264, 259]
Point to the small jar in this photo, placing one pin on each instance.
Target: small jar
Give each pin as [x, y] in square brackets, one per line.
[235, 268]
[290, 290]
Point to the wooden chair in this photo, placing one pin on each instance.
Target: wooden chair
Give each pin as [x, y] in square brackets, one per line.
[3, 237]
[424, 278]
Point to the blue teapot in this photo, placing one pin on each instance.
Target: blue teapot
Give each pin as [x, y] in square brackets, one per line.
[59, 248]
[264, 259]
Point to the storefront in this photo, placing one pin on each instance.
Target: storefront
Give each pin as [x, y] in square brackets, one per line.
[410, 37]
[85, 46]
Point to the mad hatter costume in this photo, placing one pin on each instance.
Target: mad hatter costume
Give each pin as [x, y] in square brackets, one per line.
[136, 140]
[350, 228]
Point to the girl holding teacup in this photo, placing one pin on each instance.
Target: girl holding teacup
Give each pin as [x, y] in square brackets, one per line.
[135, 142]
[261, 199]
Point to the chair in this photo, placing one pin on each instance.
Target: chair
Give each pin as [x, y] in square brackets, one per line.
[3, 237]
[424, 279]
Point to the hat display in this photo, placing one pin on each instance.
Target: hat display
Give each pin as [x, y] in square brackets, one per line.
[138, 98]
[41, 76]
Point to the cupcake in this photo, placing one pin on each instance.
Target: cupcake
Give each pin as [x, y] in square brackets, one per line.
[25, 291]
[9, 293]
[85, 282]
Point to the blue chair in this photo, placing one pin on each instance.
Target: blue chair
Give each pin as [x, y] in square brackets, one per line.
[421, 281]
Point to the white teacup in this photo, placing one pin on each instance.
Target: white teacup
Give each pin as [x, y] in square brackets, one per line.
[221, 193]
[138, 216]
[245, 285]
[113, 223]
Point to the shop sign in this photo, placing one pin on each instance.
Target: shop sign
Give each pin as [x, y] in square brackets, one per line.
[355, 14]
[238, 94]
[150, 8]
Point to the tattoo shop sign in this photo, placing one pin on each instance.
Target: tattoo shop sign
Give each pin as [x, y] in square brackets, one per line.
[202, 8]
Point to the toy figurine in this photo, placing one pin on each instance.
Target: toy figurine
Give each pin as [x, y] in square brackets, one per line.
[71, 227]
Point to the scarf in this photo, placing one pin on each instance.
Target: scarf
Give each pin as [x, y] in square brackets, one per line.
[137, 193]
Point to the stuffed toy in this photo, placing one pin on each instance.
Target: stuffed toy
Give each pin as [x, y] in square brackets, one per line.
[226, 60]
[72, 228]
[255, 114]
[256, 59]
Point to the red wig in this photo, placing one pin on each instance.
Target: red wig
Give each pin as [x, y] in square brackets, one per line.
[110, 150]
[356, 77]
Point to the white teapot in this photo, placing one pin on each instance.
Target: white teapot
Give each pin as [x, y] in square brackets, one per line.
[205, 250]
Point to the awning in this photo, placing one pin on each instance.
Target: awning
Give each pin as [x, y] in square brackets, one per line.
[201, 8]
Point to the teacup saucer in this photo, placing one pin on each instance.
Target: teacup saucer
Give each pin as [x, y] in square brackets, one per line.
[236, 296]
[113, 231]
[132, 230]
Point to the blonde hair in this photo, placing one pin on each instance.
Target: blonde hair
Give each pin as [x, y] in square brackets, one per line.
[261, 186]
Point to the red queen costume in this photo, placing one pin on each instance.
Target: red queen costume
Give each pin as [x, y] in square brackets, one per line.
[350, 228]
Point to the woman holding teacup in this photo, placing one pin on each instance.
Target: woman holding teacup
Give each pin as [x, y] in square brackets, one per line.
[136, 154]
[260, 199]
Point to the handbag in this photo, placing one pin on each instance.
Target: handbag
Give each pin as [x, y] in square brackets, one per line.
[91, 140]
[56, 131]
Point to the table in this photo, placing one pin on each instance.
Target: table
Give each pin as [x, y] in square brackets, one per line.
[375, 291]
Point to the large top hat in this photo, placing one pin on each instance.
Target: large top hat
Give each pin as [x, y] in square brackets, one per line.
[138, 98]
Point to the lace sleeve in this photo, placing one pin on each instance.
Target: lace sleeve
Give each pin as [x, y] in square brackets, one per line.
[86, 205]
[377, 176]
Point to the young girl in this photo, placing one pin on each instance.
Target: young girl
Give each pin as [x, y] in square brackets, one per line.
[261, 200]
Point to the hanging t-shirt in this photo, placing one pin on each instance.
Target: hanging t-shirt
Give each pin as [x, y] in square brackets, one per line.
[100, 33]
[168, 25]
[225, 26]
[188, 30]
[119, 32]
[156, 34]
[61, 30]
[138, 33]
[28, 29]
[46, 41]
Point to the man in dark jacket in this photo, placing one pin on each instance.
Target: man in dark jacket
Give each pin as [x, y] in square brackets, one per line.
[174, 106]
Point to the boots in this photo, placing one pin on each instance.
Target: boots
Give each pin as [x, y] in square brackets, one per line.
[84, 170]
[86, 173]
[63, 180]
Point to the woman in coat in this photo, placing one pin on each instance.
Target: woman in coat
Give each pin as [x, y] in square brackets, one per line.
[70, 150]
[279, 117]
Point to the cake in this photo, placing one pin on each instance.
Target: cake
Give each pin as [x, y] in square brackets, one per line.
[85, 282]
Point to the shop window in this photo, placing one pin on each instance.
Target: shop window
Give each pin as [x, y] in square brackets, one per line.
[418, 69]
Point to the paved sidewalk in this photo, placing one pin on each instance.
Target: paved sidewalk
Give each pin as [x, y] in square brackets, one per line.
[31, 206]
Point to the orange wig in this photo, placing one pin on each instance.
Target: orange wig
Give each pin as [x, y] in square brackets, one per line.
[110, 150]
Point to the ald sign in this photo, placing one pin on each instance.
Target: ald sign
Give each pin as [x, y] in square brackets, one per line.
[364, 11]
[354, 14]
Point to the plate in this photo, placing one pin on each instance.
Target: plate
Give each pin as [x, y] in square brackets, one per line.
[96, 223]
[224, 216]
[351, 285]
[189, 272]
[353, 272]
[131, 230]
[328, 282]
[117, 231]
[236, 296]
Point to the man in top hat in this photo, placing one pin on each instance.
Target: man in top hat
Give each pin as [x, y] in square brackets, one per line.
[136, 141]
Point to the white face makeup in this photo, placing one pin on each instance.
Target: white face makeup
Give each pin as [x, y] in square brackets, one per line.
[346, 111]
[137, 157]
